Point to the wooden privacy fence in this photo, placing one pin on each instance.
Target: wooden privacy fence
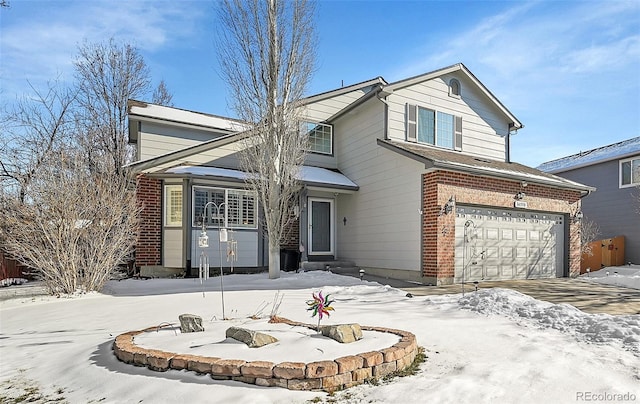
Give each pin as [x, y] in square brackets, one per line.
[606, 253]
[10, 268]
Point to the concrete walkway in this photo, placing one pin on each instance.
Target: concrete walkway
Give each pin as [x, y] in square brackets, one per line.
[590, 297]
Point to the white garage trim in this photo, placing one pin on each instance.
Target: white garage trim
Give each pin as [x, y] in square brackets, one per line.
[501, 244]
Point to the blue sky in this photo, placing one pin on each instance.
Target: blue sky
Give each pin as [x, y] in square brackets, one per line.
[569, 70]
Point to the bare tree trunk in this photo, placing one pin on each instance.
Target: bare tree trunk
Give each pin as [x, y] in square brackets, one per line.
[108, 75]
[266, 52]
[33, 130]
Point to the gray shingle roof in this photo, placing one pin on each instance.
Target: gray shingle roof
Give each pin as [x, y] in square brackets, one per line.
[455, 161]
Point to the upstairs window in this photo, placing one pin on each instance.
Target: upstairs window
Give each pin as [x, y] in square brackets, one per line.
[630, 172]
[434, 127]
[320, 137]
[454, 88]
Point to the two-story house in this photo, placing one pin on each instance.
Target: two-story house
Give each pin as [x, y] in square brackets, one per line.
[410, 180]
[615, 171]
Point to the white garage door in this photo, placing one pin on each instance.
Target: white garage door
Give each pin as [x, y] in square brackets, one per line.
[499, 244]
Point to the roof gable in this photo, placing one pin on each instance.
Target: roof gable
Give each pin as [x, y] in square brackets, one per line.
[459, 67]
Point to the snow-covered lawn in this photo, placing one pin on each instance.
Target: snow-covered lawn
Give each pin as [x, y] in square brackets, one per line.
[627, 276]
[493, 346]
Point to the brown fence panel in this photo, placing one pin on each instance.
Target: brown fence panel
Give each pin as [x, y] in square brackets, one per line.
[606, 253]
[10, 268]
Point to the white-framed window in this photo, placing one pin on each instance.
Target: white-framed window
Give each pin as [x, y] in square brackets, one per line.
[454, 88]
[630, 172]
[320, 137]
[173, 205]
[232, 208]
[428, 126]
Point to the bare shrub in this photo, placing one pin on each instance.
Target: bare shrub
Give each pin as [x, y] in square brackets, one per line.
[75, 228]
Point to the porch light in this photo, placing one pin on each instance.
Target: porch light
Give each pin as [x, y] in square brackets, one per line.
[578, 216]
[448, 207]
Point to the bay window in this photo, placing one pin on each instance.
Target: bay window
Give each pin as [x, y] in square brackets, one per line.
[232, 208]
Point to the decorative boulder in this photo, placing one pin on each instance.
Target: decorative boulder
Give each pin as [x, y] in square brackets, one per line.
[190, 323]
[253, 339]
[343, 333]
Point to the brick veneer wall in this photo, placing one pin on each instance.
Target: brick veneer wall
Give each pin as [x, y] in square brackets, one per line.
[291, 238]
[438, 231]
[149, 196]
[327, 375]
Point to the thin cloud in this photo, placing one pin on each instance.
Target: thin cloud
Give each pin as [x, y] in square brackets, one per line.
[42, 47]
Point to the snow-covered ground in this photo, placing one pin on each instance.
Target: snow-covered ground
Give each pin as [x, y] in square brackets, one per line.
[627, 276]
[493, 346]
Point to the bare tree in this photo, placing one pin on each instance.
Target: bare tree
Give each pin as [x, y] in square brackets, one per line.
[33, 129]
[589, 231]
[266, 52]
[76, 227]
[107, 75]
[162, 96]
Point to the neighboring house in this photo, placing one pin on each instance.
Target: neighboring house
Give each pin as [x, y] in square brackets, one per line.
[410, 180]
[615, 171]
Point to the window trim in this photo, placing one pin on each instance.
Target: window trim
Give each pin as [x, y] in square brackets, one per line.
[307, 132]
[632, 183]
[436, 128]
[225, 213]
[167, 205]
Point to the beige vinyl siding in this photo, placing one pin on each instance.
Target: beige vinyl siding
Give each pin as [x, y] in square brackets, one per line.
[322, 110]
[156, 139]
[483, 127]
[172, 247]
[383, 222]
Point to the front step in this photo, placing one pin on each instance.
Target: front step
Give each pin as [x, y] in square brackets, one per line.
[326, 265]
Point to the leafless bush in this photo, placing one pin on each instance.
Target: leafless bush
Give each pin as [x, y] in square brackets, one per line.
[75, 228]
[589, 231]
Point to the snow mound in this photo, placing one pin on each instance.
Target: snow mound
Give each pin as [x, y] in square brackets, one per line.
[525, 310]
[625, 276]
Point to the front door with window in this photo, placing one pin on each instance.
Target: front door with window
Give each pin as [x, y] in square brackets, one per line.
[321, 226]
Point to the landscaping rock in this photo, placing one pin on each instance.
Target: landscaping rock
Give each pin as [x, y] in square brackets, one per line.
[343, 333]
[190, 323]
[253, 339]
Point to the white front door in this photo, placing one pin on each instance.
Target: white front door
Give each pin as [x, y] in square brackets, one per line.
[321, 226]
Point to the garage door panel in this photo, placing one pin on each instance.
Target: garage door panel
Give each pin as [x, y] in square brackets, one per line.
[507, 244]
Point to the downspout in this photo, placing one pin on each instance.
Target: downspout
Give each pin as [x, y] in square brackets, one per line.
[512, 128]
[382, 94]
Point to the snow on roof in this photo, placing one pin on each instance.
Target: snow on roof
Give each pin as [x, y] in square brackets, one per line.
[144, 109]
[601, 154]
[308, 175]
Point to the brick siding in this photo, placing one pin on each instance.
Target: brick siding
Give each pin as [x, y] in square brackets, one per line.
[149, 195]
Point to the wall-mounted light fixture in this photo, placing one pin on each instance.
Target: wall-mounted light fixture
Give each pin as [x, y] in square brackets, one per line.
[520, 196]
[578, 216]
[448, 207]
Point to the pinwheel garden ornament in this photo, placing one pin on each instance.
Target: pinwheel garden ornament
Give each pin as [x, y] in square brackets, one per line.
[320, 305]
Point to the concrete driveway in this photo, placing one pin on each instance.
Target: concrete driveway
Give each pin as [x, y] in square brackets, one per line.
[590, 297]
